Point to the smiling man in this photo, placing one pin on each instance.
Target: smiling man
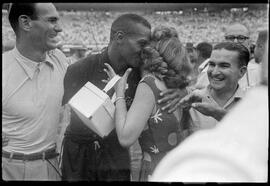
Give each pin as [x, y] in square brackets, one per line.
[227, 64]
[33, 74]
[237, 33]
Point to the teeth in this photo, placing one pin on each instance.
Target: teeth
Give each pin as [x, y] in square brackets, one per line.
[217, 79]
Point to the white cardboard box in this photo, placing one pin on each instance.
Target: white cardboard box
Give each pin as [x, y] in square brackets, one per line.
[95, 108]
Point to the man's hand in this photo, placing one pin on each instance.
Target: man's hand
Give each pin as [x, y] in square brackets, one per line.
[196, 100]
[171, 97]
[210, 109]
[193, 97]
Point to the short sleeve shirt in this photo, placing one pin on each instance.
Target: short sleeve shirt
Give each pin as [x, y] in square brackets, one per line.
[201, 121]
[31, 100]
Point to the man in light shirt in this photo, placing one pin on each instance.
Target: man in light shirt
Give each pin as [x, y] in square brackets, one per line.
[227, 65]
[33, 74]
[237, 33]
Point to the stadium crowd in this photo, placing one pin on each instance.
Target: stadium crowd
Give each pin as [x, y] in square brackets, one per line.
[194, 27]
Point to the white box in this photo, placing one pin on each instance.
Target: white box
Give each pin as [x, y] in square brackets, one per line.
[95, 108]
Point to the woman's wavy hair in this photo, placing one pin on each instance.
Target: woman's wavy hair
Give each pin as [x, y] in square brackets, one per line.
[167, 58]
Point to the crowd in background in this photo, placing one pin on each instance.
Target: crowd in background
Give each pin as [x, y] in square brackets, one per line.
[93, 27]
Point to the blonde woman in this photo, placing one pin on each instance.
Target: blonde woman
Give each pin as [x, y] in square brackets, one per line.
[165, 64]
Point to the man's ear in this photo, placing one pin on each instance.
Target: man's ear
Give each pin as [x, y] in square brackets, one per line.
[243, 70]
[119, 36]
[25, 22]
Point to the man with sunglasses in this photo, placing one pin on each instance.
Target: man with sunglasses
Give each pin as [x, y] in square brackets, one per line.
[238, 33]
[33, 74]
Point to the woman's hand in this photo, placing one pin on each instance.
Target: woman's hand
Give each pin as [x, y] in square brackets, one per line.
[109, 71]
[120, 86]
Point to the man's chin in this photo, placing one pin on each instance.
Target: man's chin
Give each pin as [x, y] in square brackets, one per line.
[216, 87]
[133, 65]
[52, 46]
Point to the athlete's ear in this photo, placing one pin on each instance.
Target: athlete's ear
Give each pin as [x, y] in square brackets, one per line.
[119, 36]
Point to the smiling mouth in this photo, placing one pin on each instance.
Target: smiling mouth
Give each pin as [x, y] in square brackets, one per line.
[55, 38]
[217, 79]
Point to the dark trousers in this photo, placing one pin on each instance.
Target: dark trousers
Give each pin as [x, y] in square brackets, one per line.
[94, 160]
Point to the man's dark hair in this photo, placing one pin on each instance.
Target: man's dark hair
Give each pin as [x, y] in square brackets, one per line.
[18, 9]
[126, 22]
[205, 49]
[243, 53]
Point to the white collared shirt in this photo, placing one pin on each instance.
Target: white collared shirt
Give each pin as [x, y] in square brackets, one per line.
[31, 100]
[201, 121]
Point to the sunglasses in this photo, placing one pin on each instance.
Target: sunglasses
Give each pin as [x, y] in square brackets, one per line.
[239, 38]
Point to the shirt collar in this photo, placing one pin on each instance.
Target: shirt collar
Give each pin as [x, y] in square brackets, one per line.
[203, 64]
[105, 56]
[236, 97]
[29, 65]
[239, 92]
[48, 59]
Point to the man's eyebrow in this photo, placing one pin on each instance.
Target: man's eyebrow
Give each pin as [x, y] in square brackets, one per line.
[224, 63]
